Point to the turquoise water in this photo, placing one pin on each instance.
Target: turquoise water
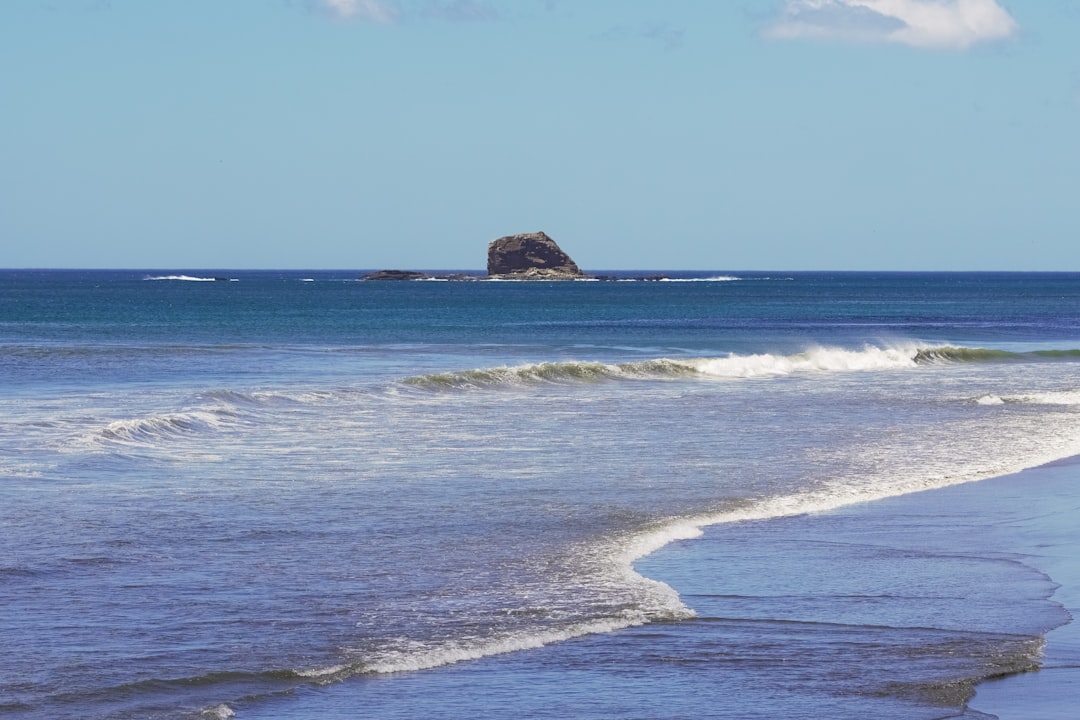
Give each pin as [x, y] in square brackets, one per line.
[221, 495]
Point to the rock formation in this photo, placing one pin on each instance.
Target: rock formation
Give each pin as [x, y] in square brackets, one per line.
[530, 256]
[396, 275]
[417, 275]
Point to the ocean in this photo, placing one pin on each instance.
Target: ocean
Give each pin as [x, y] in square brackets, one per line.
[293, 494]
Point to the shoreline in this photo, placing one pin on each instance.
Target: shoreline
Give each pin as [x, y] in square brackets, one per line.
[1026, 519]
[895, 593]
[1051, 542]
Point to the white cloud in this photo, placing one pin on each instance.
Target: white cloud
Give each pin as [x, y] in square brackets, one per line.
[955, 24]
[372, 10]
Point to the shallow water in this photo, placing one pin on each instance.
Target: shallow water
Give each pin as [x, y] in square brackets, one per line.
[853, 613]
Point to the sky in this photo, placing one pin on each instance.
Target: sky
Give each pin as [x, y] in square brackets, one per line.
[639, 134]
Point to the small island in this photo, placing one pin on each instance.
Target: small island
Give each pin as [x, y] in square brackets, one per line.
[530, 256]
[525, 256]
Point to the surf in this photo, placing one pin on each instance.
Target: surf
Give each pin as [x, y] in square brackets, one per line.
[817, 360]
[734, 366]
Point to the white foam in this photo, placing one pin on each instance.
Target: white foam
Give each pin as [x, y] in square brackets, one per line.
[1060, 397]
[642, 601]
[184, 278]
[815, 360]
[649, 542]
[463, 650]
[842, 494]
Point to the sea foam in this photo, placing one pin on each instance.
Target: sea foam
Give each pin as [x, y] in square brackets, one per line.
[1062, 397]
[183, 278]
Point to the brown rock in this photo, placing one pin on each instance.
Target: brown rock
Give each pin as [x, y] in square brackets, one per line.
[530, 256]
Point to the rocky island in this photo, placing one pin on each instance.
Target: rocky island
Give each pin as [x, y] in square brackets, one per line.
[526, 256]
[530, 256]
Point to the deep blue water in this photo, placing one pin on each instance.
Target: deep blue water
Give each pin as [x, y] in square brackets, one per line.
[219, 495]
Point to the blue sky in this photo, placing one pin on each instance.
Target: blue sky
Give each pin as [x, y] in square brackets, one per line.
[640, 134]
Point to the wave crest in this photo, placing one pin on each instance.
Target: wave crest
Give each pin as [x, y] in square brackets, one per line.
[144, 430]
[552, 372]
[732, 366]
[949, 353]
[763, 365]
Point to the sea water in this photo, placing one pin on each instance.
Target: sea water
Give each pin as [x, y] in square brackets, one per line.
[226, 493]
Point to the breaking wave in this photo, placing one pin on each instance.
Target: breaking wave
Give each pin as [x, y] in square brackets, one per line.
[817, 360]
[764, 365]
[553, 372]
[153, 428]
[187, 278]
[267, 397]
[732, 366]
